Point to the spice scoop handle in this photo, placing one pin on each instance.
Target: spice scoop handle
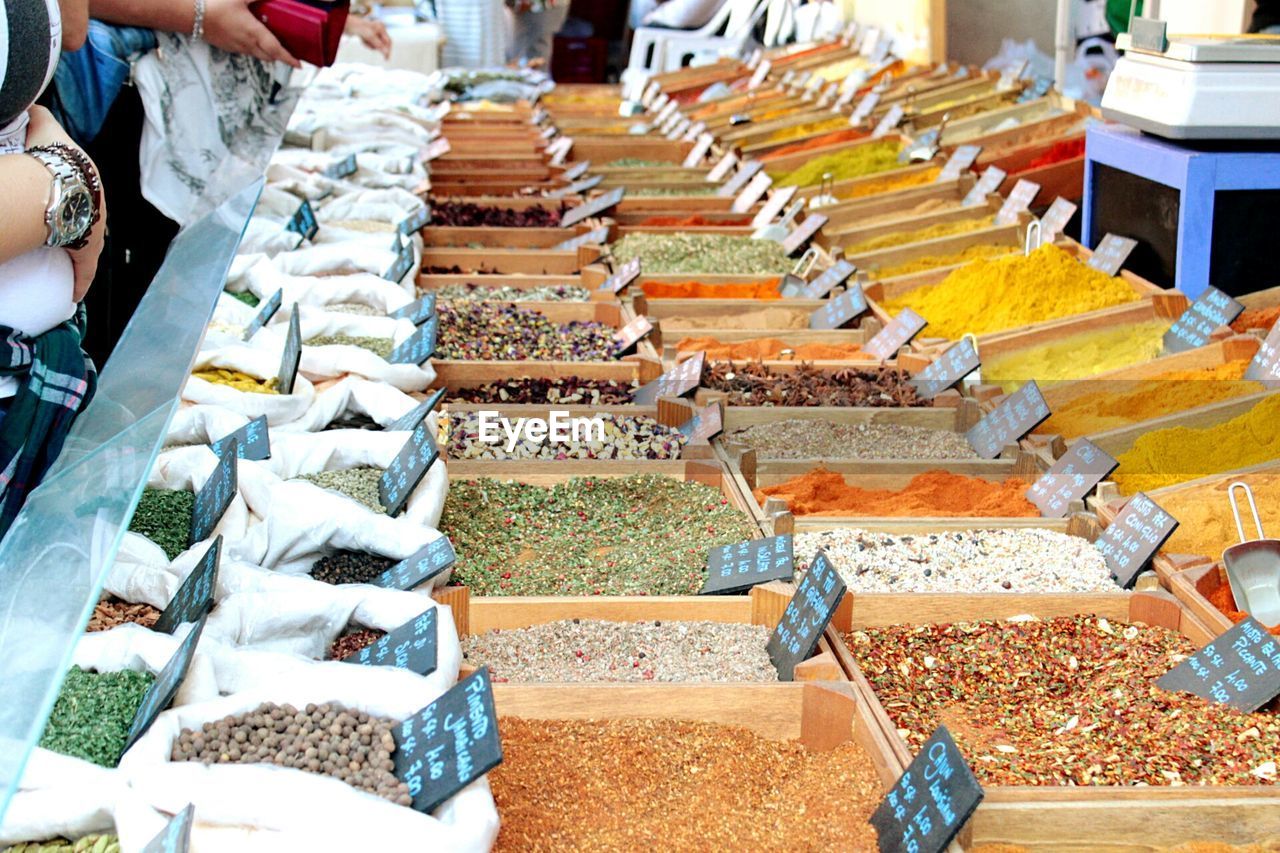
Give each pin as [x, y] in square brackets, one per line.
[1253, 567]
[1253, 508]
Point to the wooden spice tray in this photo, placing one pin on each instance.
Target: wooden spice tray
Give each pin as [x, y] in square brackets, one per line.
[853, 212]
[1064, 179]
[1012, 236]
[1193, 586]
[498, 239]
[756, 137]
[840, 188]
[791, 337]
[983, 127]
[790, 162]
[855, 234]
[1260, 299]
[976, 104]
[590, 277]
[603, 150]
[513, 261]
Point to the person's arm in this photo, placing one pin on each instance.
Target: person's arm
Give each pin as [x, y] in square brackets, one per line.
[228, 24]
[26, 190]
[75, 23]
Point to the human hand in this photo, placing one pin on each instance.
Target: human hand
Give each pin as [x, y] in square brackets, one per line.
[228, 24]
[371, 33]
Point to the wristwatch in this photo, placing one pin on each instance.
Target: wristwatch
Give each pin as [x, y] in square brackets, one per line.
[70, 213]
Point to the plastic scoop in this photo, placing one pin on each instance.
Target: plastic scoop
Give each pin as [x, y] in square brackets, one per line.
[1253, 567]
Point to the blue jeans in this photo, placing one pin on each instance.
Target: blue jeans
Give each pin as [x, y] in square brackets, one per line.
[89, 79]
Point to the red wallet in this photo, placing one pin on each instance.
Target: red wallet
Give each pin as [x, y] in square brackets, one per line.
[308, 30]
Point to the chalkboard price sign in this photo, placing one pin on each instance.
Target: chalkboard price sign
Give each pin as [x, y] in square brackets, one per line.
[752, 193]
[946, 370]
[693, 131]
[1265, 366]
[1193, 329]
[840, 310]
[735, 568]
[891, 119]
[450, 743]
[722, 167]
[194, 599]
[404, 259]
[213, 499]
[1020, 413]
[1111, 254]
[407, 470]
[626, 274]
[341, 168]
[438, 556]
[865, 107]
[990, 181]
[266, 311]
[414, 222]
[930, 804]
[594, 207]
[1081, 468]
[419, 346]
[773, 206]
[758, 77]
[705, 425]
[291, 356]
[803, 233]
[165, 687]
[699, 150]
[411, 646]
[176, 836]
[252, 440]
[831, 278]
[1055, 219]
[418, 311]
[959, 162]
[676, 382]
[1132, 539]
[409, 421]
[577, 187]
[734, 185]
[632, 333]
[596, 235]
[1024, 192]
[1240, 668]
[895, 336]
[577, 170]
[303, 221]
[806, 617]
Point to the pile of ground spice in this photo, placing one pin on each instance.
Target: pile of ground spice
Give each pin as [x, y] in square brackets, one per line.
[1019, 290]
[1064, 701]
[1118, 403]
[768, 348]
[931, 494]
[1078, 356]
[763, 290]
[757, 384]
[674, 785]
[918, 235]
[1060, 152]
[1256, 318]
[1206, 525]
[694, 221]
[1166, 457]
[1222, 598]
[856, 162]
[982, 251]
[238, 380]
[799, 131]
[890, 184]
[822, 140]
[765, 318]
[703, 254]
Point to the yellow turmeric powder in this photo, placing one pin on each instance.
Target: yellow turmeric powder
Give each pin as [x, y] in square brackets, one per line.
[1169, 456]
[934, 262]
[891, 184]
[1204, 514]
[1078, 356]
[1116, 403]
[855, 162]
[919, 235]
[787, 134]
[1005, 293]
[239, 381]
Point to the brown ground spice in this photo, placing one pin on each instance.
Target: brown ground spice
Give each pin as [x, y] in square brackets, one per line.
[626, 785]
[1257, 318]
[933, 493]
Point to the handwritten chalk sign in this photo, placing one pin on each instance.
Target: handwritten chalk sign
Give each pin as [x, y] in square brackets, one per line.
[403, 261]
[987, 184]
[752, 193]
[959, 162]
[559, 150]
[418, 311]
[1020, 413]
[415, 221]
[806, 617]
[266, 311]
[1240, 668]
[1055, 219]
[676, 382]
[434, 559]
[438, 148]
[759, 75]
[450, 743]
[165, 687]
[803, 233]
[705, 425]
[633, 332]
[419, 346]
[1111, 254]
[407, 470]
[699, 151]
[894, 336]
[866, 106]
[291, 355]
[412, 646]
[736, 568]
[215, 496]
[1072, 477]
[840, 310]
[946, 370]
[693, 131]
[888, 122]
[627, 273]
[595, 207]
[1194, 328]
[409, 422]
[678, 129]
[194, 599]
[341, 168]
[831, 278]
[577, 170]
[1132, 539]
[1265, 366]
[252, 441]
[577, 187]
[176, 835]
[598, 236]
[745, 173]
[303, 221]
[771, 209]
[1024, 192]
[931, 802]
[722, 167]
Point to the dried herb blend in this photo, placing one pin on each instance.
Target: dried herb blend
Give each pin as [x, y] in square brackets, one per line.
[506, 293]
[378, 346]
[465, 214]
[88, 844]
[821, 439]
[164, 517]
[755, 384]
[625, 437]
[485, 330]
[703, 254]
[568, 390]
[93, 712]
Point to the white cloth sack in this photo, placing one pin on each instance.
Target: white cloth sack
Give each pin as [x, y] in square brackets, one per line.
[263, 279]
[131, 646]
[62, 797]
[257, 362]
[269, 236]
[377, 400]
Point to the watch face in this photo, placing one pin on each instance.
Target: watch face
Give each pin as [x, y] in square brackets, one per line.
[76, 214]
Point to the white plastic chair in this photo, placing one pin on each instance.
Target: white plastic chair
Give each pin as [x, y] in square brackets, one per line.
[698, 49]
[648, 44]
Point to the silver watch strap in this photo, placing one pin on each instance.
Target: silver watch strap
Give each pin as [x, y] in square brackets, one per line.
[62, 169]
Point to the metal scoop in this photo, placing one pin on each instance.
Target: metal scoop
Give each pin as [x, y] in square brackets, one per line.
[1253, 567]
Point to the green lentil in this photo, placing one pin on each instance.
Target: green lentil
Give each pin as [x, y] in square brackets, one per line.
[247, 298]
[637, 535]
[164, 517]
[703, 254]
[378, 346]
[359, 483]
[93, 712]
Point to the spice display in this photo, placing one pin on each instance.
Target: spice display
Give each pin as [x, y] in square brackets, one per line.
[350, 643]
[675, 785]
[1256, 318]
[890, 183]
[595, 650]
[857, 162]
[635, 535]
[993, 295]
[465, 214]
[1174, 455]
[1078, 356]
[981, 251]
[766, 290]
[487, 330]
[378, 346]
[703, 254]
[625, 437]
[699, 188]
[769, 348]
[694, 221]
[919, 235]
[1222, 598]
[832, 137]
[111, 612]
[358, 308]
[765, 318]
[1064, 701]
[933, 493]
[93, 712]
[932, 205]
[1118, 403]
[800, 131]
[1059, 152]
[164, 517]
[1007, 560]
[247, 297]
[638, 163]
[239, 381]
[565, 390]
[87, 844]
[1206, 525]
[359, 483]
[350, 567]
[755, 384]
[505, 293]
[823, 439]
[328, 739]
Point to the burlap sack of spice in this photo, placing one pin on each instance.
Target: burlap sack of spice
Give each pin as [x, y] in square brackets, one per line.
[263, 279]
[62, 797]
[245, 808]
[353, 395]
[257, 362]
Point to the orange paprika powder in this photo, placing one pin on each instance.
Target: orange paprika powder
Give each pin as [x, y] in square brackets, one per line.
[933, 493]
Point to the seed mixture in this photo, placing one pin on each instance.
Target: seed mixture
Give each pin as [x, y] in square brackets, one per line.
[596, 650]
[378, 346]
[701, 254]
[93, 712]
[350, 643]
[755, 384]
[164, 517]
[488, 330]
[359, 483]
[465, 214]
[350, 567]
[328, 739]
[626, 437]
[822, 439]
[357, 308]
[88, 844]
[1064, 701]
[111, 612]
[567, 390]
[635, 535]
[506, 293]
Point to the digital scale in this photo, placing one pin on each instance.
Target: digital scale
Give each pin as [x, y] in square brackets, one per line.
[1196, 87]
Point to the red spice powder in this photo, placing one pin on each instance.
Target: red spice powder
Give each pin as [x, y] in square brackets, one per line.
[850, 135]
[1257, 318]
[933, 493]
[694, 222]
[767, 348]
[766, 290]
[1059, 153]
[1222, 598]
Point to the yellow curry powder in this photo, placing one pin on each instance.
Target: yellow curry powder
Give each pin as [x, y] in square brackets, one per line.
[1005, 293]
[933, 262]
[1118, 403]
[1078, 356]
[856, 162]
[1170, 456]
[787, 134]
[919, 235]
[891, 184]
[1204, 514]
[239, 381]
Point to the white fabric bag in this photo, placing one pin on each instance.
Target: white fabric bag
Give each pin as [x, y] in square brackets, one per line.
[257, 362]
[61, 797]
[353, 394]
[263, 279]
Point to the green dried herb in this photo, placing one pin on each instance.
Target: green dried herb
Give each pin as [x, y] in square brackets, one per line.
[247, 298]
[360, 484]
[703, 254]
[164, 517]
[93, 712]
[378, 346]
